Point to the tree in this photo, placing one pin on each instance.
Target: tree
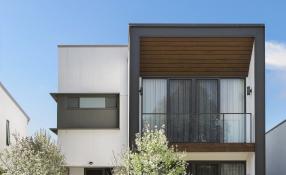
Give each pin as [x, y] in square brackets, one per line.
[37, 155]
[152, 156]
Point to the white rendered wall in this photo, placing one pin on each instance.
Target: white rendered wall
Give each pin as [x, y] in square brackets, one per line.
[250, 99]
[10, 111]
[276, 151]
[224, 156]
[94, 69]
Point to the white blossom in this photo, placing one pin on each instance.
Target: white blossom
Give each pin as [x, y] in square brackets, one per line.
[36, 155]
[152, 156]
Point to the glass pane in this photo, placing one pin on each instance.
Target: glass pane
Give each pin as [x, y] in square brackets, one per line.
[232, 101]
[207, 169]
[92, 102]
[207, 107]
[154, 102]
[179, 126]
[232, 169]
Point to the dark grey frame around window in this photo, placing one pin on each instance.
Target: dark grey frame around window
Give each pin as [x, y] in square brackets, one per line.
[111, 101]
[196, 115]
[71, 116]
[8, 139]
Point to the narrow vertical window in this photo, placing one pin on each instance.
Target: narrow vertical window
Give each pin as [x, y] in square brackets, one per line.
[154, 103]
[180, 96]
[7, 132]
[232, 104]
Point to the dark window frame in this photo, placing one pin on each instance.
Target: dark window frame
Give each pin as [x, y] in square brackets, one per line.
[8, 134]
[103, 170]
[78, 96]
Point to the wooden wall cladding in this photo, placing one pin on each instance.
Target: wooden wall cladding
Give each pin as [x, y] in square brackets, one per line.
[215, 147]
[189, 56]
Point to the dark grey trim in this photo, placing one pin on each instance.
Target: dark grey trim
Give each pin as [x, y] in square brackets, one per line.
[93, 45]
[259, 69]
[14, 101]
[56, 95]
[279, 124]
[201, 30]
[54, 130]
[198, 25]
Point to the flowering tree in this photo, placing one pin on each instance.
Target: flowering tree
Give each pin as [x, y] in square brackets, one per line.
[36, 155]
[153, 156]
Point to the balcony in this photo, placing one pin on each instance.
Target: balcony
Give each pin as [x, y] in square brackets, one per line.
[203, 127]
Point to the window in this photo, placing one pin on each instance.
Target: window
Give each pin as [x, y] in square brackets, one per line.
[7, 132]
[92, 102]
[154, 103]
[100, 101]
[97, 171]
[216, 168]
[196, 109]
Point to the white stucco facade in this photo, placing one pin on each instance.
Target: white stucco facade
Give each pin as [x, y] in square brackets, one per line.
[94, 69]
[12, 112]
[276, 150]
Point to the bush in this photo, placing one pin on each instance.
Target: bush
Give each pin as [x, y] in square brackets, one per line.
[152, 156]
[37, 155]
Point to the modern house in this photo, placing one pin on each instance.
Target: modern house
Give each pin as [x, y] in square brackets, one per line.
[276, 150]
[203, 82]
[13, 119]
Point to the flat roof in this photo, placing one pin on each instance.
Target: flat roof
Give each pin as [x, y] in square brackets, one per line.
[14, 101]
[214, 25]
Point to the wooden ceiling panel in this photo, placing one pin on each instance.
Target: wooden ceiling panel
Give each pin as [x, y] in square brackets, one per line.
[189, 56]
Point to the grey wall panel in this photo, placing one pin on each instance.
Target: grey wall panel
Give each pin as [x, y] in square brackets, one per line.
[76, 118]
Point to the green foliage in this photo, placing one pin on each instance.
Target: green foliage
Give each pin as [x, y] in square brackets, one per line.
[37, 155]
[153, 156]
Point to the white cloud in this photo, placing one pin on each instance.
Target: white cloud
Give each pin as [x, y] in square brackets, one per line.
[275, 53]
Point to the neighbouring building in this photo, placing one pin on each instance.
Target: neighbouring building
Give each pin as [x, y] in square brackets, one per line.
[204, 82]
[276, 150]
[13, 119]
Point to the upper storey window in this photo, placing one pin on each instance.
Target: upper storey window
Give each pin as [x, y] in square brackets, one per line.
[93, 102]
[197, 109]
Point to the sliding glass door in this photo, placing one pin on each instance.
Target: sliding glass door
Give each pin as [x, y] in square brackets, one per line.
[180, 107]
[207, 110]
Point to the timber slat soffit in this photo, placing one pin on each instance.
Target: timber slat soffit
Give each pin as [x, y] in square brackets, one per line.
[195, 56]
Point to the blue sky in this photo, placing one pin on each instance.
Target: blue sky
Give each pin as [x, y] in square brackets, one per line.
[31, 30]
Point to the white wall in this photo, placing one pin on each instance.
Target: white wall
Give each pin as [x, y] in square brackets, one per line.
[276, 151]
[224, 156]
[10, 111]
[250, 99]
[94, 69]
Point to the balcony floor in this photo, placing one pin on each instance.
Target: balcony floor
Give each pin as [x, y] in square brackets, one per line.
[215, 147]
